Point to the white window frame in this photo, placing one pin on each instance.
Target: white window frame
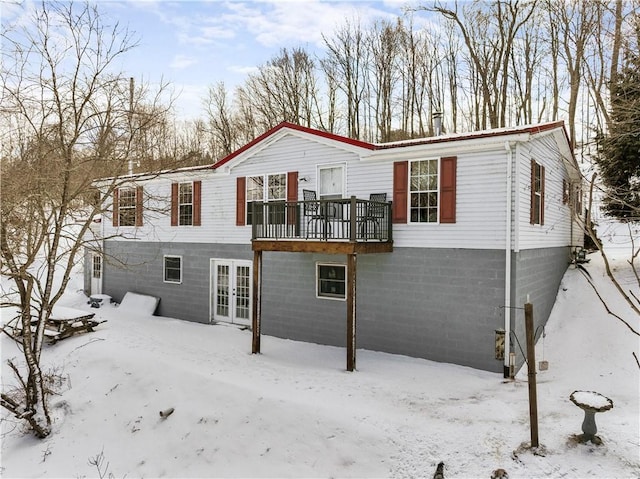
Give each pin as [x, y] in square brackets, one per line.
[331, 166]
[181, 203]
[425, 191]
[164, 268]
[96, 266]
[129, 209]
[336, 297]
[265, 197]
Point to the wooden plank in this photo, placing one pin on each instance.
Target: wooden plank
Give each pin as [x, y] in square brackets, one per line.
[329, 247]
[257, 302]
[351, 312]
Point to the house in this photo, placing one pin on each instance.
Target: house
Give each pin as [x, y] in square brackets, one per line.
[427, 248]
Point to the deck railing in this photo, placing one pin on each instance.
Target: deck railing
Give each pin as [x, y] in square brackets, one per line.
[347, 219]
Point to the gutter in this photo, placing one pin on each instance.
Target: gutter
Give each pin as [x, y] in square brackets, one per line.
[507, 259]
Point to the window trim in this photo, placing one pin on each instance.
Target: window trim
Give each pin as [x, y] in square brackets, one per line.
[180, 203]
[438, 191]
[164, 268]
[265, 192]
[137, 206]
[329, 166]
[123, 209]
[330, 297]
[537, 196]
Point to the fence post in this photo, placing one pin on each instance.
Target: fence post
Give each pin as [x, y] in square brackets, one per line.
[531, 367]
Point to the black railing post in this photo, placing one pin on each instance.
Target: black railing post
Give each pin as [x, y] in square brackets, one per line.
[353, 216]
[389, 221]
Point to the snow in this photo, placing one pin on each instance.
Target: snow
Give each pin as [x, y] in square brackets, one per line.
[591, 400]
[293, 411]
[65, 312]
[135, 303]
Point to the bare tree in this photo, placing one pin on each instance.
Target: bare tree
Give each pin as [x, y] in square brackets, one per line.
[65, 121]
[221, 121]
[489, 31]
[384, 43]
[346, 60]
[576, 21]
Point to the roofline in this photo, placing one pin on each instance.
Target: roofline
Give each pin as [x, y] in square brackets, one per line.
[531, 129]
[292, 126]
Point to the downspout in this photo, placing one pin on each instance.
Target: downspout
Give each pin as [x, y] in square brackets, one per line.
[507, 259]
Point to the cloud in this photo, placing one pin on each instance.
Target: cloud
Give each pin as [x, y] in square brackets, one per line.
[242, 70]
[181, 62]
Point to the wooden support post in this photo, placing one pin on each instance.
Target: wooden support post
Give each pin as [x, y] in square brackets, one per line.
[351, 312]
[257, 301]
[531, 366]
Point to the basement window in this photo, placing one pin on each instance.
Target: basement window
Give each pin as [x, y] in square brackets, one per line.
[331, 281]
[173, 269]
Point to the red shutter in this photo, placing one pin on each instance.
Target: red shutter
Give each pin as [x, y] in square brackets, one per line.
[197, 193]
[292, 196]
[241, 185]
[139, 193]
[174, 204]
[116, 213]
[541, 194]
[448, 189]
[400, 189]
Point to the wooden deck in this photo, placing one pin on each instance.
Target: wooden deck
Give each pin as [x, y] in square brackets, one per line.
[336, 226]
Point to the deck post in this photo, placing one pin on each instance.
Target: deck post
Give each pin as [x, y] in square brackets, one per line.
[257, 301]
[351, 312]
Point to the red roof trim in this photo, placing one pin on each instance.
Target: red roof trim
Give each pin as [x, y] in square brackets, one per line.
[292, 126]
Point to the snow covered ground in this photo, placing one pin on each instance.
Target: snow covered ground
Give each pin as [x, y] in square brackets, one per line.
[294, 411]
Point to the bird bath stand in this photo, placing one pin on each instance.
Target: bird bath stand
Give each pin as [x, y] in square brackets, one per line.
[590, 402]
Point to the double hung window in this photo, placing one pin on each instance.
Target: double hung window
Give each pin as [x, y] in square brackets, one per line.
[423, 190]
[127, 207]
[185, 204]
[172, 269]
[267, 189]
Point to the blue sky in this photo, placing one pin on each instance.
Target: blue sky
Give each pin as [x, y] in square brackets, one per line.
[194, 44]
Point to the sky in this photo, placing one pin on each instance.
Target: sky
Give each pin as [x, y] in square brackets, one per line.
[195, 44]
[293, 411]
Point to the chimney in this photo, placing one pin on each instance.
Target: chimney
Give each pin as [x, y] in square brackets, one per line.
[437, 123]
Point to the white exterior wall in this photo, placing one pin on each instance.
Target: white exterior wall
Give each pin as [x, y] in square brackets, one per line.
[480, 206]
[480, 191]
[556, 230]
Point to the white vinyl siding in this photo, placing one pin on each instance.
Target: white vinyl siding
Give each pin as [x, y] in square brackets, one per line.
[556, 230]
[480, 185]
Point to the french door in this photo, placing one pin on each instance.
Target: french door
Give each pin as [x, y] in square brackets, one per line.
[96, 273]
[231, 291]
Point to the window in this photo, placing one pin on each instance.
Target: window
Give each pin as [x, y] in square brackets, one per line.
[127, 207]
[97, 266]
[423, 190]
[173, 269]
[331, 182]
[537, 193]
[331, 281]
[185, 204]
[269, 188]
